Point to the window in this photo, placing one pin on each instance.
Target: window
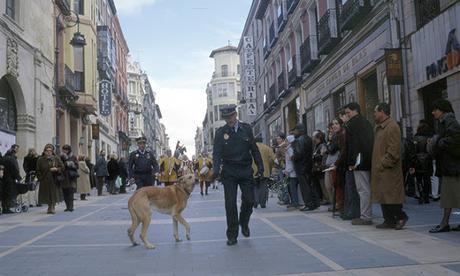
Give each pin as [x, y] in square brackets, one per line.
[224, 69]
[10, 9]
[425, 11]
[221, 89]
[319, 117]
[216, 113]
[79, 68]
[78, 6]
[238, 69]
[132, 88]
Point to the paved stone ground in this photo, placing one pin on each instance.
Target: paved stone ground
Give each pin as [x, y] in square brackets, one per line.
[92, 241]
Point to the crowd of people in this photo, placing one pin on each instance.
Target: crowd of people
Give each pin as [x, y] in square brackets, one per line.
[349, 167]
[51, 178]
[354, 164]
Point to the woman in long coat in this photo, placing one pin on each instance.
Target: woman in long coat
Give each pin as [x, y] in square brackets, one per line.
[48, 167]
[83, 182]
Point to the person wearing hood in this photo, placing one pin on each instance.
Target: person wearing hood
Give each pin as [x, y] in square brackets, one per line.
[445, 147]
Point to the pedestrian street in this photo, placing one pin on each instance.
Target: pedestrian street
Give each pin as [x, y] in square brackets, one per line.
[92, 240]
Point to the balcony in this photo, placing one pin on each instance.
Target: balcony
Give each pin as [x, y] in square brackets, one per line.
[353, 11]
[293, 75]
[224, 75]
[86, 103]
[272, 94]
[272, 35]
[67, 86]
[291, 5]
[328, 35]
[425, 11]
[281, 83]
[64, 6]
[308, 54]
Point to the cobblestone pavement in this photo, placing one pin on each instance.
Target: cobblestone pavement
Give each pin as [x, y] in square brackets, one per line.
[92, 241]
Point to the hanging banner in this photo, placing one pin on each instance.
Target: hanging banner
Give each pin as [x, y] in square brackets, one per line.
[95, 131]
[249, 77]
[393, 60]
[105, 98]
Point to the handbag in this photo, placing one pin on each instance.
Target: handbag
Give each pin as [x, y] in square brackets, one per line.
[73, 174]
[331, 159]
[118, 183]
[59, 178]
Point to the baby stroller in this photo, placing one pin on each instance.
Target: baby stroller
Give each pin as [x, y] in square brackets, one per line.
[23, 187]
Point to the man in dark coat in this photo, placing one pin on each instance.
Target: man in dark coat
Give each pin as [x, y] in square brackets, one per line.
[235, 149]
[123, 166]
[142, 165]
[11, 175]
[303, 163]
[100, 169]
[360, 140]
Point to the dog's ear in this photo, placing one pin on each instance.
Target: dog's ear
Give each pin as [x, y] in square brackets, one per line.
[180, 179]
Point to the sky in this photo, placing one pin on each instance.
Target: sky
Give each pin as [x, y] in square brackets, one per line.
[172, 40]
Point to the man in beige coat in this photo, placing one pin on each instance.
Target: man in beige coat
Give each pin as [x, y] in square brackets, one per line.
[387, 177]
[261, 183]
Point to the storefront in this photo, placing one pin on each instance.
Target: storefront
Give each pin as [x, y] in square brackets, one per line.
[8, 116]
[436, 64]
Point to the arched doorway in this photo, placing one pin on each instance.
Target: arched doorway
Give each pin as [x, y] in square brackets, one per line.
[8, 116]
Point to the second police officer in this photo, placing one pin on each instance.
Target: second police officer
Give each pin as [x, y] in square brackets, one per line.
[142, 165]
[234, 151]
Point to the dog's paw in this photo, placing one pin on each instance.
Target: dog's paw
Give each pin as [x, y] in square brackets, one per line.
[178, 240]
[150, 246]
[188, 237]
[135, 243]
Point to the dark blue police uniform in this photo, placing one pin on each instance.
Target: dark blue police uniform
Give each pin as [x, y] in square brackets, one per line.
[142, 166]
[234, 150]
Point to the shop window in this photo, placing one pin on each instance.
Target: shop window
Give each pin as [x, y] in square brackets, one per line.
[274, 129]
[370, 96]
[425, 11]
[319, 117]
[339, 100]
[431, 93]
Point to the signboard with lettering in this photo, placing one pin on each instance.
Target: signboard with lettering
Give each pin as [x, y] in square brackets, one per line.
[105, 98]
[249, 77]
[393, 60]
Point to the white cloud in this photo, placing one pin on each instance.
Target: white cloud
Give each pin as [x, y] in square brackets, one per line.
[132, 6]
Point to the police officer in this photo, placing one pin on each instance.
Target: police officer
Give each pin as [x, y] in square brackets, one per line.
[234, 150]
[142, 165]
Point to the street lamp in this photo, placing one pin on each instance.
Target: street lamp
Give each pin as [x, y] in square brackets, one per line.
[78, 41]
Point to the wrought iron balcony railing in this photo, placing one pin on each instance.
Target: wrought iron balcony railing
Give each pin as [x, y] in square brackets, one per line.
[352, 12]
[281, 20]
[291, 5]
[67, 86]
[272, 93]
[328, 35]
[281, 83]
[308, 54]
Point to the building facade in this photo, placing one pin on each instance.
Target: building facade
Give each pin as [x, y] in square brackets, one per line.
[199, 142]
[313, 57]
[27, 106]
[431, 42]
[112, 120]
[223, 89]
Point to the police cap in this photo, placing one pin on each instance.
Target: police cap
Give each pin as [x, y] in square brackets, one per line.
[141, 140]
[228, 110]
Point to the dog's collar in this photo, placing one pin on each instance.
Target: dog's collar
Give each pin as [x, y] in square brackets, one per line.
[185, 191]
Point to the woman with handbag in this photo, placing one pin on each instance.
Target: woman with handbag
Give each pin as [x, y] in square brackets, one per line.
[71, 174]
[114, 171]
[50, 174]
[319, 160]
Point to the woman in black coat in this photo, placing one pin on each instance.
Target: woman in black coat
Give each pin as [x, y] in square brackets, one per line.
[422, 161]
[114, 171]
